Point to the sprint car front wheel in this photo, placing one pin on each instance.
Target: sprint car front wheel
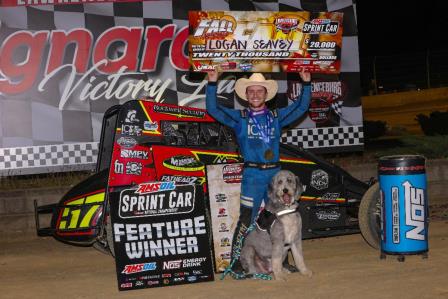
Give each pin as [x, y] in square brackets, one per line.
[369, 216]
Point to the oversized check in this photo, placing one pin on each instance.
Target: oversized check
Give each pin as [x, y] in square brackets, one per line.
[265, 41]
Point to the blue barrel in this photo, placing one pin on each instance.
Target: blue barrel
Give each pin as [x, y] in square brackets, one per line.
[404, 204]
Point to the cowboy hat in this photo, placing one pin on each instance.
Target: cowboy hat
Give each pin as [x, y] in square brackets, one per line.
[256, 79]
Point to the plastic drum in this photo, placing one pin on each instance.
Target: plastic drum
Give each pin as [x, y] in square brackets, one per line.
[404, 205]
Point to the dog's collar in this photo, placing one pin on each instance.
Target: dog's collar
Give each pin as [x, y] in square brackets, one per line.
[287, 211]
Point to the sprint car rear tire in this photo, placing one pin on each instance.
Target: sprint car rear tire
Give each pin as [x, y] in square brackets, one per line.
[109, 236]
[369, 216]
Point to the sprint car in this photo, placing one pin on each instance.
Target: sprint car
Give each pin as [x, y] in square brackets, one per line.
[143, 141]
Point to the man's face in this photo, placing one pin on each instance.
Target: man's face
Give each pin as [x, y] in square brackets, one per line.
[256, 96]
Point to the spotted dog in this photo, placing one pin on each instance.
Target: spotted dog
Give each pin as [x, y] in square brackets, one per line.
[279, 228]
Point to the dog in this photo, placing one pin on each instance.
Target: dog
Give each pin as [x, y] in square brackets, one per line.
[267, 245]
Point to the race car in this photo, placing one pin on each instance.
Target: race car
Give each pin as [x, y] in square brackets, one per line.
[144, 141]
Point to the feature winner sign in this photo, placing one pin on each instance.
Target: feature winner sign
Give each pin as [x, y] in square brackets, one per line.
[161, 235]
[264, 41]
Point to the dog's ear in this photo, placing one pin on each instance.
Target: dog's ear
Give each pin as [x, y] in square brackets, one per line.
[299, 188]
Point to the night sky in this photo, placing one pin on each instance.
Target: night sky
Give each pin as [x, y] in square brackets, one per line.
[395, 26]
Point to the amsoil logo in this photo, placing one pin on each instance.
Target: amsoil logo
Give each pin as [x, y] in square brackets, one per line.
[137, 268]
[216, 28]
[155, 187]
[286, 25]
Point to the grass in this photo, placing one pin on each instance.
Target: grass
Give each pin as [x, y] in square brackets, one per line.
[431, 147]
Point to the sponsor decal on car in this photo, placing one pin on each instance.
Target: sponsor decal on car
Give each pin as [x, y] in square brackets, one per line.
[223, 228]
[221, 197]
[131, 130]
[150, 126]
[134, 154]
[134, 168]
[330, 196]
[126, 142]
[225, 242]
[131, 117]
[183, 163]
[319, 179]
[232, 173]
[179, 111]
[191, 180]
[222, 212]
[331, 215]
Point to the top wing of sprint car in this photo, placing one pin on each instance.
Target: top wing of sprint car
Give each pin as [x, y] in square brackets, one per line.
[144, 141]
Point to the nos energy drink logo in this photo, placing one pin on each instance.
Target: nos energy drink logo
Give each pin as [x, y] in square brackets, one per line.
[414, 200]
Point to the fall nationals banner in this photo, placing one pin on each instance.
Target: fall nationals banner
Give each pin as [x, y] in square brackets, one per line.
[265, 41]
[63, 65]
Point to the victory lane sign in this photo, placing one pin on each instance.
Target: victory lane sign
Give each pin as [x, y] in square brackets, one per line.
[161, 235]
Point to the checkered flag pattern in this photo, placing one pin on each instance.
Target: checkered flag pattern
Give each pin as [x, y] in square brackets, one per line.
[337, 107]
[337, 137]
[48, 158]
[40, 117]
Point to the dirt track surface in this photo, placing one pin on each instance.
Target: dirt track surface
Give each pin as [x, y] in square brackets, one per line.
[344, 267]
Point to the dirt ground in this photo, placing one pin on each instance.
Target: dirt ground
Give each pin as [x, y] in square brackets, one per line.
[344, 267]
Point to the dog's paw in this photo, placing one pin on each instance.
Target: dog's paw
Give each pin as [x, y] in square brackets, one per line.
[286, 271]
[280, 276]
[307, 272]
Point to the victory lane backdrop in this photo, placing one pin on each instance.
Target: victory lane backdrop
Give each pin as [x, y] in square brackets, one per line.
[161, 235]
[63, 65]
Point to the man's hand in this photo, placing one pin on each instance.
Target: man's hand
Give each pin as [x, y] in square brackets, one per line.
[305, 76]
[212, 76]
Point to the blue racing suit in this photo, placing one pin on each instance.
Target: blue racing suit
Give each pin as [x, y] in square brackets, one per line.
[247, 127]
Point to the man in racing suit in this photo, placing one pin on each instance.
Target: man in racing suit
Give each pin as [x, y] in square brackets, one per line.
[258, 132]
